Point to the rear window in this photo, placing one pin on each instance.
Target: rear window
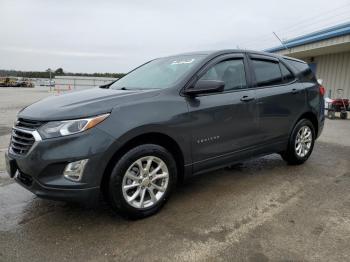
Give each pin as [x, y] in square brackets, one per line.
[267, 73]
[304, 71]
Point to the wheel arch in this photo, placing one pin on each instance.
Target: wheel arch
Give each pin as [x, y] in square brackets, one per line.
[312, 118]
[146, 138]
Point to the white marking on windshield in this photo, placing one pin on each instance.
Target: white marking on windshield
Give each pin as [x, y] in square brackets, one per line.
[183, 62]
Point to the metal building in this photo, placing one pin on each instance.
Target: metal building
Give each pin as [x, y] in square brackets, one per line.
[328, 54]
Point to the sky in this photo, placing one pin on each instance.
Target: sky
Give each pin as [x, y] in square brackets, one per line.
[116, 36]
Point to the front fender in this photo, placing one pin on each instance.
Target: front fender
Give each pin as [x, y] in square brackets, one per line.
[167, 116]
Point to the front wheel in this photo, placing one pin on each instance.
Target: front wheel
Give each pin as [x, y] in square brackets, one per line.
[142, 180]
[301, 143]
[331, 114]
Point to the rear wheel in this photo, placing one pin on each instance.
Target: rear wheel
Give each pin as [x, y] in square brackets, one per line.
[142, 180]
[343, 115]
[301, 143]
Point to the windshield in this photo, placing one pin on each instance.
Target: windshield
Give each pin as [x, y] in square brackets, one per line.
[158, 73]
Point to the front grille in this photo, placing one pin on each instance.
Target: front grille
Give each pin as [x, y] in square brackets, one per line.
[22, 138]
[30, 124]
[21, 142]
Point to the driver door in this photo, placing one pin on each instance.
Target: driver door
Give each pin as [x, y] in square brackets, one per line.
[223, 123]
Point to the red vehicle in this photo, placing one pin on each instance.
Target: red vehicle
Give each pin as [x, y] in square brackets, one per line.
[341, 105]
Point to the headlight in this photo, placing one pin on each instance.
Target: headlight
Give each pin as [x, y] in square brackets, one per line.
[69, 127]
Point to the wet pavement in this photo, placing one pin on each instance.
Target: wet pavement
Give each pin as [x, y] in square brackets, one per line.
[263, 210]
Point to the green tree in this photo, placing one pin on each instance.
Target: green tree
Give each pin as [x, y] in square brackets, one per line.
[59, 71]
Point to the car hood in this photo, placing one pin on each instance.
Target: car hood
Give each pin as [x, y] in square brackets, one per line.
[82, 103]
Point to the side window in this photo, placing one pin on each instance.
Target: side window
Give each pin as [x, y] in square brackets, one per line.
[229, 71]
[267, 73]
[286, 74]
[304, 71]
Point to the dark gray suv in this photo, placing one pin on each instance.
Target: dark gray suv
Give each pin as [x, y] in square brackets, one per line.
[169, 119]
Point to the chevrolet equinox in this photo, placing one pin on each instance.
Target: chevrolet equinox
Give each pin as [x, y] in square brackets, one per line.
[168, 119]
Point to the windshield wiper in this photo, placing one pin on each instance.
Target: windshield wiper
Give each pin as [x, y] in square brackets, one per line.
[127, 88]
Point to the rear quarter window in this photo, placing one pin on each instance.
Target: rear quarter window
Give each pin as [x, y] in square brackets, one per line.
[304, 72]
[286, 74]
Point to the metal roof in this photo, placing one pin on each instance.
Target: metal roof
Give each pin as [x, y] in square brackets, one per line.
[331, 32]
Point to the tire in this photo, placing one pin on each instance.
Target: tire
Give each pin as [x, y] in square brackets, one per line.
[331, 114]
[128, 173]
[296, 155]
[343, 115]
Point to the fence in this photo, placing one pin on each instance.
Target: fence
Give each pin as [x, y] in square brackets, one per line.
[80, 82]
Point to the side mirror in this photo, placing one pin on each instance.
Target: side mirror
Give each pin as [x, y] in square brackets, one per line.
[205, 87]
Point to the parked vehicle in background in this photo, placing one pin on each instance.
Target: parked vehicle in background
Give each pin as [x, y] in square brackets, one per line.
[46, 82]
[8, 81]
[24, 82]
[169, 119]
[338, 105]
[15, 82]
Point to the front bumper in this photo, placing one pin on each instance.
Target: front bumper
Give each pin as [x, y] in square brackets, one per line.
[41, 170]
[83, 195]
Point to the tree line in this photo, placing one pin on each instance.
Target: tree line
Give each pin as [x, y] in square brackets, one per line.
[57, 72]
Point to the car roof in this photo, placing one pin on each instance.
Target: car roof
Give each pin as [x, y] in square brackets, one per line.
[213, 53]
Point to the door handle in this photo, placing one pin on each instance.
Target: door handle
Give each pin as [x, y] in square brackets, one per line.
[295, 91]
[247, 98]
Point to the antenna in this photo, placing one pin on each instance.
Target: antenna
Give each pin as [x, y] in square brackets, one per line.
[279, 39]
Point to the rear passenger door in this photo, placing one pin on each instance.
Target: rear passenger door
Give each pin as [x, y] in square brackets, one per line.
[280, 98]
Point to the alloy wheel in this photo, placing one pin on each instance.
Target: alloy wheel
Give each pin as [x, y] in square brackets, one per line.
[145, 182]
[303, 141]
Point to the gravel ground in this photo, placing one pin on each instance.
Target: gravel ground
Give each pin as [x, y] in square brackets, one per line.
[263, 210]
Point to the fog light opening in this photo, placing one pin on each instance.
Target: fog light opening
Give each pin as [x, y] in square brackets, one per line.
[74, 171]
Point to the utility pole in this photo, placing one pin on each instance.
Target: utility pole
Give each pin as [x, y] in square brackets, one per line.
[50, 78]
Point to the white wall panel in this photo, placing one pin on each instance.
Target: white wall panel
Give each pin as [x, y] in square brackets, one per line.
[334, 70]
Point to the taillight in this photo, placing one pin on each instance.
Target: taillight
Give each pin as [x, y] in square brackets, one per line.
[322, 90]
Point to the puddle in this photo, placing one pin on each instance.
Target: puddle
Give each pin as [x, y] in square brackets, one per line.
[14, 201]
